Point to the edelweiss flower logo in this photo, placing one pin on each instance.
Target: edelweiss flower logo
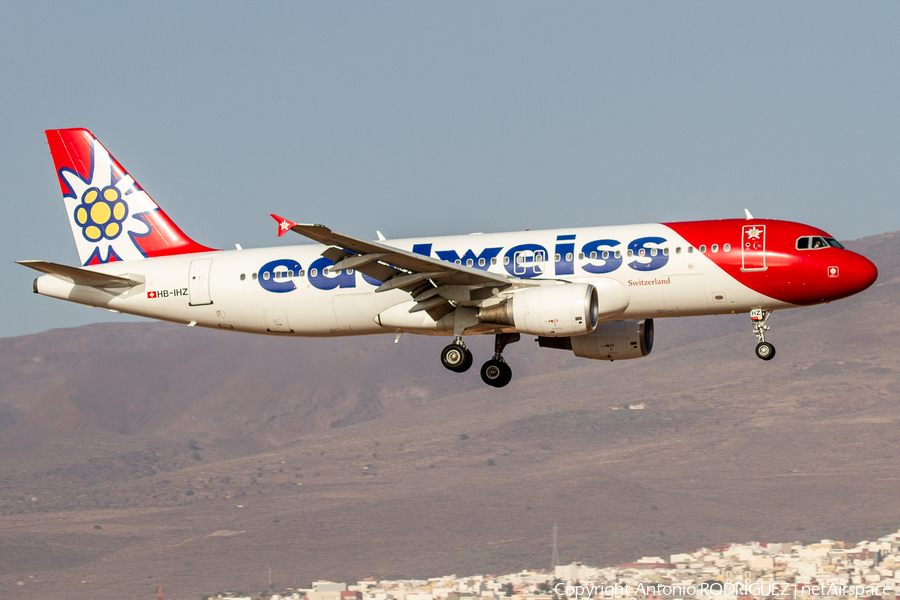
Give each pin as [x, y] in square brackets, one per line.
[101, 213]
[753, 234]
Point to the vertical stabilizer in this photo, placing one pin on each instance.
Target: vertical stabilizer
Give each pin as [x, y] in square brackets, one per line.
[112, 217]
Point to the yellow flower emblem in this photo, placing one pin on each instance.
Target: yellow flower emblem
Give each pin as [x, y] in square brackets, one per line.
[101, 213]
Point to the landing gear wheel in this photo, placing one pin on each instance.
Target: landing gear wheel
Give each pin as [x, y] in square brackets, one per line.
[467, 364]
[456, 358]
[496, 373]
[765, 350]
[759, 317]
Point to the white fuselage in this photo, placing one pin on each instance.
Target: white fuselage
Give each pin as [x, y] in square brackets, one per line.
[283, 290]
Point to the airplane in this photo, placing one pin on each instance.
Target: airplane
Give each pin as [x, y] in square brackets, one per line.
[594, 291]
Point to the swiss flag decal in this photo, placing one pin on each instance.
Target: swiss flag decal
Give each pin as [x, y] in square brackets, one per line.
[151, 294]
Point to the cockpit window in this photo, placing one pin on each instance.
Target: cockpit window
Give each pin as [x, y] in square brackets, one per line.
[815, 242]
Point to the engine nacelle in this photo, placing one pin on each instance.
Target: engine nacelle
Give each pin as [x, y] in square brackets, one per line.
[570, 309]
[619, 340]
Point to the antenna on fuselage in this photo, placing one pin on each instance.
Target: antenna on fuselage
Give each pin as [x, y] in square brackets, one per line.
[747, 214]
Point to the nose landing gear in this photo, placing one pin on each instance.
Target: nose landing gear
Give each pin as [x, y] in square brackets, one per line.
[764, 349]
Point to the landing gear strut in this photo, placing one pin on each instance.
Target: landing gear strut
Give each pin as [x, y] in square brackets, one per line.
[764, 349]
[456, 356]
[496, 372]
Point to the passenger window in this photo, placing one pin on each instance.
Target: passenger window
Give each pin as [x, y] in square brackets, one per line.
[480, 262]
[630, 252]
[605, 254]
[665, 251]
[690, 249]
[557, 258]
[702, 248]
[654, 251]
[243, 276]
[727, 247]
[313, 272]
[505, 260]
[581, 256]
[715, 247]
[494, 261]
[678, 250]
[619, 253]
[470, 262]
[266, 275]
[290, 274]
[253, 277]
[457, 261]
[594, 255]
[301, 273]
[569, 257]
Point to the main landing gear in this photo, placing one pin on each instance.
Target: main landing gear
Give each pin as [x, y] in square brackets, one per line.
[764, 349]
[494, 372]
[456, 356]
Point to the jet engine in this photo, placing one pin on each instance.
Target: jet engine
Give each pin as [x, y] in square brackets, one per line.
[619, 340]
[570, 309]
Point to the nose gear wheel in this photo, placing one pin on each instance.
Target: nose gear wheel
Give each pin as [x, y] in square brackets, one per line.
[764, 349]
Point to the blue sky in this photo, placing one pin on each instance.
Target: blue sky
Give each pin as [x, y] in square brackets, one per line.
[438, 118]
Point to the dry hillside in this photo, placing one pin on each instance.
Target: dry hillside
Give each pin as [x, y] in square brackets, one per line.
[143, 454]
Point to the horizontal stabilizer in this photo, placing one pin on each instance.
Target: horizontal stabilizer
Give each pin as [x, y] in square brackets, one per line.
[80, 276]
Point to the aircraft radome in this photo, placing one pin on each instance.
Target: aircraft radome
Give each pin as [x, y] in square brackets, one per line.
[591, 290]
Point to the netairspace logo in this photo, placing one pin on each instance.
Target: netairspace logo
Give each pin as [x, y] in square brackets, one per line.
[757, 588]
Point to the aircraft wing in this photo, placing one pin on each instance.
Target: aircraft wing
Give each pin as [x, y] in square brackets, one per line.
[79, 275]
[433, 283]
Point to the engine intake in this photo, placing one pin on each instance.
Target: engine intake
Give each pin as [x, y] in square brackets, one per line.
[570, 309]
[619, 340]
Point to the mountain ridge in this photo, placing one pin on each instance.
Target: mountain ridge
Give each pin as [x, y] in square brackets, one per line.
[407, 470]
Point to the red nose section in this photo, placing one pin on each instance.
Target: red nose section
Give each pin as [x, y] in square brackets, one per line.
[860, 271]
[847, 273]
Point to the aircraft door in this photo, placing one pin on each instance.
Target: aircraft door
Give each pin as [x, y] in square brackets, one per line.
[198, 282]
[753, 248]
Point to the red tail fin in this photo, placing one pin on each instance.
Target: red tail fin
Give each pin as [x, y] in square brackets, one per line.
[112, 217]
